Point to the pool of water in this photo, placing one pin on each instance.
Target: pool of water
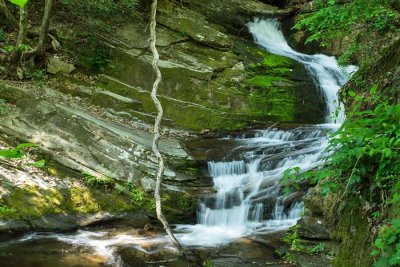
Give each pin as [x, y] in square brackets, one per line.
[95, 247]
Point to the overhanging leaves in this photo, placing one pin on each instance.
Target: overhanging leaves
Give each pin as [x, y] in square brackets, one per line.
[20, 3]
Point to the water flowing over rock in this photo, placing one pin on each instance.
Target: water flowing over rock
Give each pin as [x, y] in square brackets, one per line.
[255, 172]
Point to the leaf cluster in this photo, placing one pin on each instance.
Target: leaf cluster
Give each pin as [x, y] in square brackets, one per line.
[17, 152]
[387, 245]
[334, 18]
[364, 162]
[94, 181]
[133, 192]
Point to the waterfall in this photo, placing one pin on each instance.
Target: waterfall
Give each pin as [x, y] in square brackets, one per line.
[248, 200]
[324, 70]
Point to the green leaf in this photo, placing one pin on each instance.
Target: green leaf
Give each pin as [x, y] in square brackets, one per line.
[11, 153]
[374, 253]
[373, 89]
[20, 3]
[24, 145]
[40, 163]
[16, 153]
[379, 243]
[352, 93]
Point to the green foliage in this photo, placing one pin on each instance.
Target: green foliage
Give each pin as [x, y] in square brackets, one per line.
[208, 263]
[345, 58]
[38, 164]
[289, 257]
[135, 193]
[20, 3]
[387, 245]
[289, 180]
[6, 211]
[101, 60]
[365, 149]
[16, 153]
[334, 18]
[101, 181]
[19, 48]
[317, 248]
[38, 77]
[292, 238]
[365, 163]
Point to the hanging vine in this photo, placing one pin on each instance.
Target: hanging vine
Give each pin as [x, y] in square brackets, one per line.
[160, 171]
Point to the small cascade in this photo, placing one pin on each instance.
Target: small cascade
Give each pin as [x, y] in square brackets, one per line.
[248, 199]
[324, 70]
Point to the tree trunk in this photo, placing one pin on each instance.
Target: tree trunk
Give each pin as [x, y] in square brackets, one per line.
[44, 31]
[160, 172]
[22, 31]
[4, 9]
[23, 25]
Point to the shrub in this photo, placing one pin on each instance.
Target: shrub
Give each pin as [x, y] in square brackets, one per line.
[333, 18]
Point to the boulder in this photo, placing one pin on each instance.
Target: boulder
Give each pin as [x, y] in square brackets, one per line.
[312, 227]
[130, 255]
[57, 66]
[313, 224]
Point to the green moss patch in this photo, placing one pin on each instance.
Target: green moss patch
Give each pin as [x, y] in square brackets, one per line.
[268, 81]
[276, 61]
[34, 202]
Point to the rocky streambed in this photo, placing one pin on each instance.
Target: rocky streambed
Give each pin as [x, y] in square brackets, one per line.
[94, 131]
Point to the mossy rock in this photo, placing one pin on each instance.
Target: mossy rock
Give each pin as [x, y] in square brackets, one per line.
[280, 88]
[350, 226]
[34, 202]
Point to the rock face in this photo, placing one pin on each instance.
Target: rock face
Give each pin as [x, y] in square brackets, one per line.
[312, 224]
[202, 87]
[34, 200]
[80, 139]
[75, 138]
[214, 78]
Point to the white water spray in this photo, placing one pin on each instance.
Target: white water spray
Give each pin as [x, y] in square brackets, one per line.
[324, 70]
[248, 185]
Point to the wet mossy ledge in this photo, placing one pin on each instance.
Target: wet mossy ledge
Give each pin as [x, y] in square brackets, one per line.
[281, 88]
[45, 202]
[217, 82]
[259, 90]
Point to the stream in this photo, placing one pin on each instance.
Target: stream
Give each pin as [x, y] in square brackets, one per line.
[248, 205]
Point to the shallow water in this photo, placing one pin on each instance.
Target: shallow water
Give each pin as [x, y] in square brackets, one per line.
[95, 247]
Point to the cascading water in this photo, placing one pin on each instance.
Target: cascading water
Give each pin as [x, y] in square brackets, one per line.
[324, 70]
[248, 184]
[247, 199]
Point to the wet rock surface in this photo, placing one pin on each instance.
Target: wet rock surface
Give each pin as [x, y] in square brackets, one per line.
[80, 139]
[244, 252]
[313, 224]
[210, 72]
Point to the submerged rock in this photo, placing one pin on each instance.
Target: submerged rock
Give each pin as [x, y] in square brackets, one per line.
[128, 256]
